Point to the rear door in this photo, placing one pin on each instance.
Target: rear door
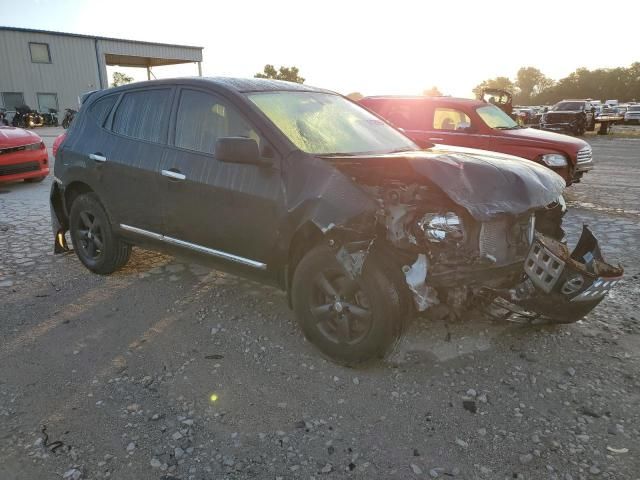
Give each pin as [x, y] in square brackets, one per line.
[212, 205]
[131, 156]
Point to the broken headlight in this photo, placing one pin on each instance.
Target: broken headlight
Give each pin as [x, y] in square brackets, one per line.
[438, 227]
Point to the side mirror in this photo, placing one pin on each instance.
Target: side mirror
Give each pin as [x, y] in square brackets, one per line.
[239, 150]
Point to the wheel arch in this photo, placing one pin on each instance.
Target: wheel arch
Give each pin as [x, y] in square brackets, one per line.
[307, 236]
[73, 191]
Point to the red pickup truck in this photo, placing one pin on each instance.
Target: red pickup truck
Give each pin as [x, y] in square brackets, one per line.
[469, 123]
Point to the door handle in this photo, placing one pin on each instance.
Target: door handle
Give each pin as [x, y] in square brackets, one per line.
[96, 157]
[436, 139]
[173, 175]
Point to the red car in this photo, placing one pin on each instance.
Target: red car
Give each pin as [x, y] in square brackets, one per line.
[469, 123]
[23, 156]
[57, 142]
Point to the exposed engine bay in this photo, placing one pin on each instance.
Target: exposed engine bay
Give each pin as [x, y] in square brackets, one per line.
[449, 257]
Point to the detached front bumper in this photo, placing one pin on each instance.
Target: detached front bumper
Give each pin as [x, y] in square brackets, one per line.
[563, 286]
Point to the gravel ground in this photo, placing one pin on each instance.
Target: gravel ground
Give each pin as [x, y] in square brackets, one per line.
[168, 370]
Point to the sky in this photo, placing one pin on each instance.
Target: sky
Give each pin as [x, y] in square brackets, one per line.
[373, 47]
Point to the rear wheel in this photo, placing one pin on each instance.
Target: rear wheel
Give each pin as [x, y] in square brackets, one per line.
[94, 241]
[350, 321]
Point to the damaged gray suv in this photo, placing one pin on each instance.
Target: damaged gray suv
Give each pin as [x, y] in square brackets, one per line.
[311, 192]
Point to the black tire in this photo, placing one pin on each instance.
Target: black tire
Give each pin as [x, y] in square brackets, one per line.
[34, 180]
[94, 241]
[349, 321]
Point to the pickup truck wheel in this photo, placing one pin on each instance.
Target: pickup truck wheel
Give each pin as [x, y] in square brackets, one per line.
[349, 321]
[94, 241]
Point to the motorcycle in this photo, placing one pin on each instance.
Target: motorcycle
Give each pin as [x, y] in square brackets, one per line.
[25, 117]
[68, 117]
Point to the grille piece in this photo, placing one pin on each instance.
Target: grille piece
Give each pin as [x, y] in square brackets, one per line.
[543, 267]
[19, 168]
[584, 155]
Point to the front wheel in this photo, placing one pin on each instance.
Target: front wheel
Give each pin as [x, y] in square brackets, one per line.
[94, 241]
[350, 321]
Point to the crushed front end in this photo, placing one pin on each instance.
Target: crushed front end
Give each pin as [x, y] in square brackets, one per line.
[462, 254]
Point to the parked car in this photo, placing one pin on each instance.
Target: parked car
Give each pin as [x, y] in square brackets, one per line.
[527, 116]
[305, 189]
[632, 115]
[570, 116]
[475, 124]
[23, 156]
[57, 142]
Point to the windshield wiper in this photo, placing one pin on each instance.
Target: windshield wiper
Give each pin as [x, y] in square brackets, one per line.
[515, 127]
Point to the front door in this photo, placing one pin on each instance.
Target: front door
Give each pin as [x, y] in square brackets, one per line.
[230, 208]
[451, 126]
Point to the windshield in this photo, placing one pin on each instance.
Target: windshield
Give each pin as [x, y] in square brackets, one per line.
[634, 109]
[567, 106]
[325, 124]
[496, 118]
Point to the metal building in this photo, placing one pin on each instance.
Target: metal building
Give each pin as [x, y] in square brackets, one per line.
[47, 70]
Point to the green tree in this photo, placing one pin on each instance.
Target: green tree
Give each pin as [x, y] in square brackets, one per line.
[120, 78]
[502, 83]
[290, 74]
[530, 82]
[432, 92]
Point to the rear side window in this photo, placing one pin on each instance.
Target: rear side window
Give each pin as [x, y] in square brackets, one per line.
[203, 118]
[143, 114]
[100, 109]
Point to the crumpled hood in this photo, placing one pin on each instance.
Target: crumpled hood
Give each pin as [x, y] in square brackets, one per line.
[15, 137]
[486, 184]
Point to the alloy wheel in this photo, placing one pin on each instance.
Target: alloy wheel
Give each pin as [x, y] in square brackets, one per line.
[89, 235]
[340, 308]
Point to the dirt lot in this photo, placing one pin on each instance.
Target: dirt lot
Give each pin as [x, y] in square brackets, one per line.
[171, 370]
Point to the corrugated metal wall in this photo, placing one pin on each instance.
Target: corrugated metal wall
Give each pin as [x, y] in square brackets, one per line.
[74, 69]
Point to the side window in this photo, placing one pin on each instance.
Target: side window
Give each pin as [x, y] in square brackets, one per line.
[143, 114]
[100, 109]
[450, 119]
[40, 52]
[202, 118]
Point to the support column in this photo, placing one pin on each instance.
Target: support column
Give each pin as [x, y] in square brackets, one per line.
[199, 69]
[148, 72]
